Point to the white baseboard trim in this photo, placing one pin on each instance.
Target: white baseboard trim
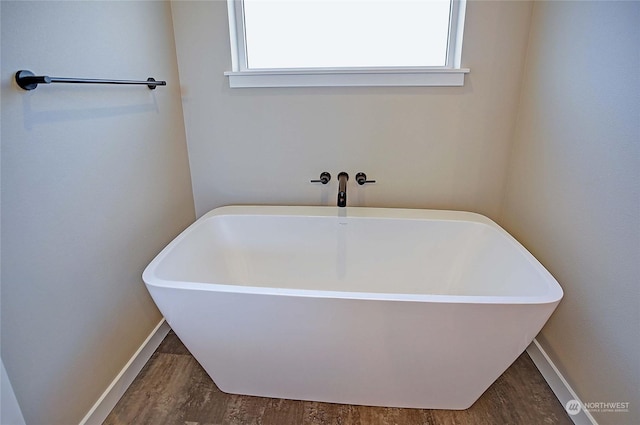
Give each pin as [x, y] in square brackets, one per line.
[114, 392]
[10, 412]
[558, 384]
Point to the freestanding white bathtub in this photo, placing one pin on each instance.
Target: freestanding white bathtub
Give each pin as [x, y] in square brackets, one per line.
[380, 307]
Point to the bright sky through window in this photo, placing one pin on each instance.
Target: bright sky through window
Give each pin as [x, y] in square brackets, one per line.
[346, 33]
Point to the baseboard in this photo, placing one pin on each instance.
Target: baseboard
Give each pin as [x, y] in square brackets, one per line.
[558, 384]
[10, 412]
[114, 392]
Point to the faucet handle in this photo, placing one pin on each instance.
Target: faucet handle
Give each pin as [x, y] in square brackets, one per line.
[324, 178]
[361, 178]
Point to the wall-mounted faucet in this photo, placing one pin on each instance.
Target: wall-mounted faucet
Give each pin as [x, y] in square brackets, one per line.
[343, 178]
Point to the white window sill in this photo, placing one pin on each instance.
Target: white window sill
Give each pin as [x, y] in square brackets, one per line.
[348, 77]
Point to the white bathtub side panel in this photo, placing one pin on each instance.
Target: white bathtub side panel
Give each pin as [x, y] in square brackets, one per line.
[366, 352]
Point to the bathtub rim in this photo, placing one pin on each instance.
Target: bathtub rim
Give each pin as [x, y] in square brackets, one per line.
[553, 295]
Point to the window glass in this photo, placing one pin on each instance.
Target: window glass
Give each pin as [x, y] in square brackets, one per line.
[346, 33]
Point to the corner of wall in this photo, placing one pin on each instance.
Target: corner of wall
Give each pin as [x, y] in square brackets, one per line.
[502, 219]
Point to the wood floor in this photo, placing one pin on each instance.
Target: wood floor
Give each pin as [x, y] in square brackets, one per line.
[172, 389]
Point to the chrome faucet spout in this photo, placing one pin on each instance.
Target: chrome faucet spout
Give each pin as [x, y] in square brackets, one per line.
[343, 178]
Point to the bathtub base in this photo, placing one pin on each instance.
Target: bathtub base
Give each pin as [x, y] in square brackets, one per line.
[363, 352]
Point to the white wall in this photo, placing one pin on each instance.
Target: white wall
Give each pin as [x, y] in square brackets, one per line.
[95, 182]
[10, 412]
[573, 197]
[439, 147]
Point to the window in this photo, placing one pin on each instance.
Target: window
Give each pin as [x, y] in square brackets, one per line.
[278, 43]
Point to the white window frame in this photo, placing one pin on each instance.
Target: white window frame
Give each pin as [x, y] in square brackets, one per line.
[241, 76]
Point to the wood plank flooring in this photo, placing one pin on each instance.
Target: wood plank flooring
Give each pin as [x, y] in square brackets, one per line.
[173, 389]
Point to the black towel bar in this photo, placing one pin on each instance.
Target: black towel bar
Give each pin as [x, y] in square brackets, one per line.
[28, 81]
